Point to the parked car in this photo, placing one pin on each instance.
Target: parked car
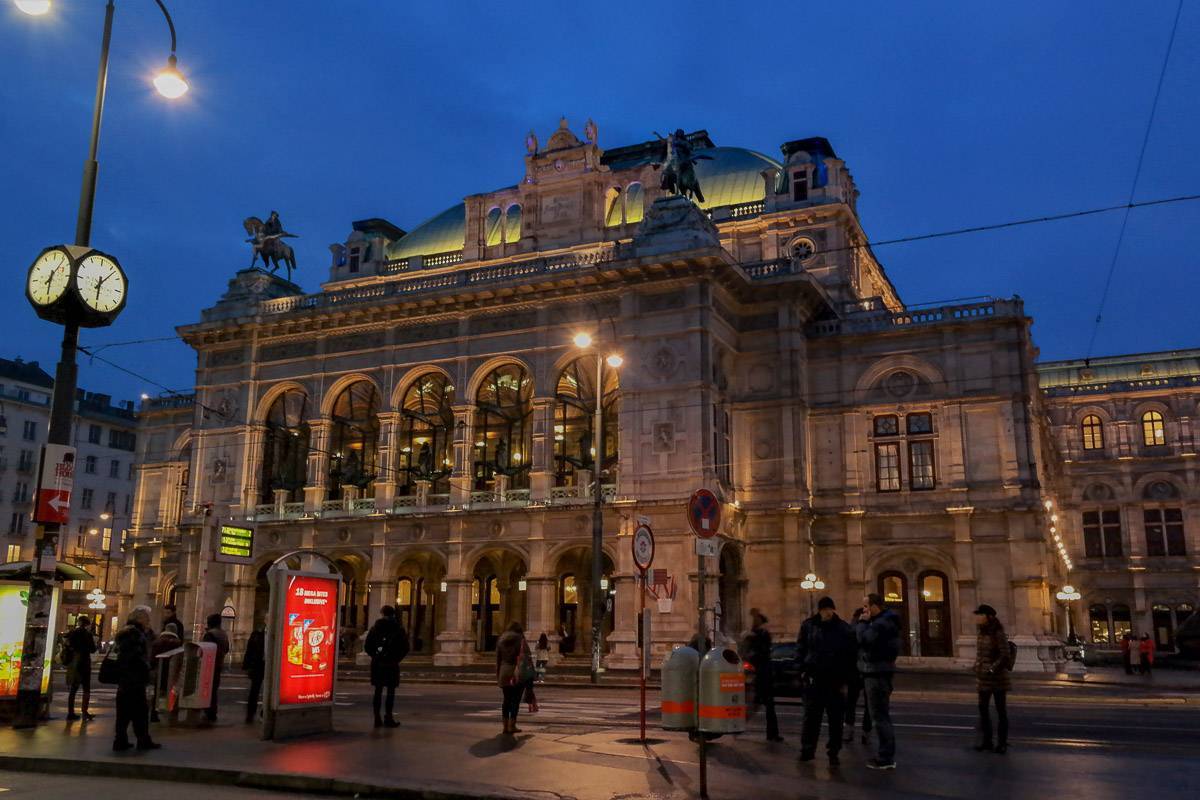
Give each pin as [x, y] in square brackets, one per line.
[789, 680]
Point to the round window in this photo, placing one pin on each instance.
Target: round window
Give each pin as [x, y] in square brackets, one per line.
[803, 249]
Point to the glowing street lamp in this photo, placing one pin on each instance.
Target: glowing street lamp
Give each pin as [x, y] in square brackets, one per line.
[811, 584]
[34, 8]
[1065, 596]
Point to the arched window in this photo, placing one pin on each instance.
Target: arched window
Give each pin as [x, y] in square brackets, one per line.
[574, 417]
[893, 587]
[613, 208]
[354, 439]
[634, 203]
[502, 429]
[1098, 621]
[1093, 432]
[426, 434]
[493, 230]
[512, 224]
[1153, 433]
[285, 446]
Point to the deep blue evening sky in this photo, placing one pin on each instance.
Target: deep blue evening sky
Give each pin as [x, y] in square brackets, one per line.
[948, 115]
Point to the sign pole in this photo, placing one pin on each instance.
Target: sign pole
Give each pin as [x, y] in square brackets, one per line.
[704, 518]
[701, 579]
[645, 649]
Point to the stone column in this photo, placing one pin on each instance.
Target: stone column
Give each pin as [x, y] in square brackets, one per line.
[456, 642]
[462, 478]
[389, 462]
[964, 561]
[541, 472]
[622, 642]
[318, 465]
[251, 488]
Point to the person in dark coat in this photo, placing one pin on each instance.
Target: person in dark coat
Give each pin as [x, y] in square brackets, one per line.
[758, 653]
[220, 638]
[510, 648]
[991, 678]
[878, 634]
[1126, 653]
[79, 669]
[854, 690]
[172, 622]
[825, 650]
[387, 645]
[254, 664]
[133, 670]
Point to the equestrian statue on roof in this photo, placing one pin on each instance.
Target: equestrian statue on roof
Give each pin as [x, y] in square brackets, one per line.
[267, 240]
[678, 168]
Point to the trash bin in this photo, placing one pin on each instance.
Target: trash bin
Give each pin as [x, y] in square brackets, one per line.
[722, 692]
[199, 666]
[679, 689]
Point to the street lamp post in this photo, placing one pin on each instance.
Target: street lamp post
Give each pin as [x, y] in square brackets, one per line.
[811, 584]
[1065, 596]
[599, 596]
[1074, 666]
[170, 83]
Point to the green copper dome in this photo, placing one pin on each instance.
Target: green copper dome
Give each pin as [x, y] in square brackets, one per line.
[732, 176]
[438, 234]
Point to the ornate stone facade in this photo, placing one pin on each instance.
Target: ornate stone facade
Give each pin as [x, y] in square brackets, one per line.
[426, 422]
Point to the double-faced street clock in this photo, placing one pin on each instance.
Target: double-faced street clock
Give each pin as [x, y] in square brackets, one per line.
[80, 285]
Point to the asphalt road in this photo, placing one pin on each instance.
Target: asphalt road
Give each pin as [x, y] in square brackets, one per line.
[25, 784]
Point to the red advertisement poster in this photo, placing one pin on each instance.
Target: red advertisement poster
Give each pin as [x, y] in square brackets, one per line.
[309, 640]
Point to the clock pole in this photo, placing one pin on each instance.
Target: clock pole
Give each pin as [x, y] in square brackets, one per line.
[62, 412]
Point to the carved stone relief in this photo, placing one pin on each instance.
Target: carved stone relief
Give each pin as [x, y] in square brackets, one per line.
[664, 437]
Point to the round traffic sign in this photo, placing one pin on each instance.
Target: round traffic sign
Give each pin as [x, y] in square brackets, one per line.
[704, 513]
[643, 547]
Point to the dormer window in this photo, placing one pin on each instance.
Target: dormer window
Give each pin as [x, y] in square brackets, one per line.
[355, 259]
[800, 186]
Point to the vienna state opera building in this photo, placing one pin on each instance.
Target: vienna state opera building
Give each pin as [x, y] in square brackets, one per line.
[426, 421]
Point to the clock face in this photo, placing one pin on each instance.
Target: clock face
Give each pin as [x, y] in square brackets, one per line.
[100, 283]
[49, 276]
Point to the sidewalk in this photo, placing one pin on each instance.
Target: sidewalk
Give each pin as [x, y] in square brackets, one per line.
[465, 758]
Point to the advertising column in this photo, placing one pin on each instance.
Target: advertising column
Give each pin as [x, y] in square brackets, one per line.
[302, 653]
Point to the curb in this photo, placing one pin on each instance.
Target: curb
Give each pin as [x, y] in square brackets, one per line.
[215, 776]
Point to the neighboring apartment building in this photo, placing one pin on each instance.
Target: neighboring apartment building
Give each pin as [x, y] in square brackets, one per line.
[426, 423]
[105, 437]
[25, 390]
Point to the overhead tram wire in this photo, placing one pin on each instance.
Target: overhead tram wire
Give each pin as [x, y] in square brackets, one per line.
[1137, 172]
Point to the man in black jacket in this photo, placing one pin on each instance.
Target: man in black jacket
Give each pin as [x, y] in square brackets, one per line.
[825, 650]
[133, 667]
[79, 670]
[878, 633]
[387, 645]
[758, 653]
[254, 664]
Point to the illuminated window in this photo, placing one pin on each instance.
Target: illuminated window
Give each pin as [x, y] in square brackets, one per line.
[1102, 533]
[404, 592]
[475, 592]
[13, 553]
[920, 464]
[1098, 620]
[354, 439]
[1093, 432]
[493, 229]
[887, 467]
[614, 209]
[933, 588]
[502, 427]
[426, 433]
[633, 203]
[1153, 433]
[570, 593]
[494, 592]
[1121, 621]
[893, 589]
[285, 446]
[574, 417]
[512, 224]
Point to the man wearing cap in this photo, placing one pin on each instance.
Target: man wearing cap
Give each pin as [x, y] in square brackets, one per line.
[825, 650]
[878, 634]
[992, 664]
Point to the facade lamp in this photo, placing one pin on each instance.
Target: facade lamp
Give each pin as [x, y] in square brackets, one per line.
[582, 340]
[811, 582]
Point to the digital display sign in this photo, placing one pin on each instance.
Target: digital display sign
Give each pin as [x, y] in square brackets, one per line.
[235, 544]
[308, 640]
[13, 607]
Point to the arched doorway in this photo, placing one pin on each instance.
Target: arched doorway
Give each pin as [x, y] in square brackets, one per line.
[497, 596]
[933, 604]
[416, 602]
[574, 571]
[730, 591]
[352, 605]
[893, 587]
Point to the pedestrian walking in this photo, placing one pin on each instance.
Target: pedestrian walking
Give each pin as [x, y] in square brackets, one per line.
[78, 647]
[254, 664]
[512, 658]
[387, 645]
[133, 674]
[1126, 653]
[758, 653]
[220, 638]
[170, 621]
[1146, 653]
[541, 658]
[878, 634]
[825, 649]
[1135, 655]
[854, 690]
[992, 664]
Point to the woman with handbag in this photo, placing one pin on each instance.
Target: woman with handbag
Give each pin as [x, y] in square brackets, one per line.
[513, 663]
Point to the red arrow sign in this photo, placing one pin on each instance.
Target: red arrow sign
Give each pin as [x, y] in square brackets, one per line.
[53, 505]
